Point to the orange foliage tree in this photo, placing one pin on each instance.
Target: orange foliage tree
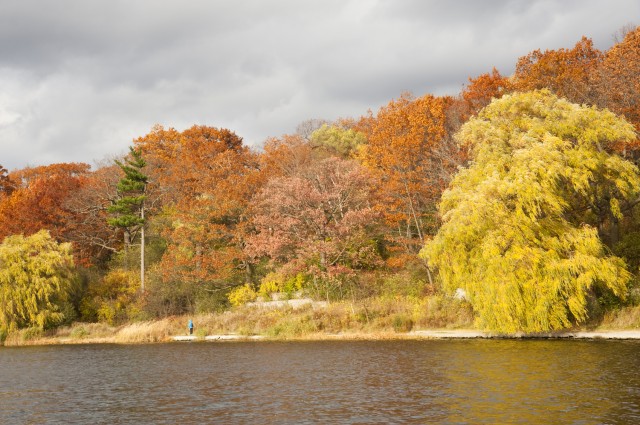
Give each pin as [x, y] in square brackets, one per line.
[619, 80]
[205, 177]
[568, 73]
[482, 89]
[39, 200]
[410, 149]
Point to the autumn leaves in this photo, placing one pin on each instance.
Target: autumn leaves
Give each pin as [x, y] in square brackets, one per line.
[539, 214]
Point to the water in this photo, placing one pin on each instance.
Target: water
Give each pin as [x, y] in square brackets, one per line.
[425, 382]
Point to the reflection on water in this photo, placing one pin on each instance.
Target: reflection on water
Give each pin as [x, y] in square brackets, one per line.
[448, 382]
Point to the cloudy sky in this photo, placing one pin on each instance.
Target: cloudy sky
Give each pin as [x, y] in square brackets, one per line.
[79, 80]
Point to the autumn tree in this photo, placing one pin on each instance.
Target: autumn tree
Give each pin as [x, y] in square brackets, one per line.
[94, 240]
[520, 230]
[7, 186]
[128, 209]
[619, 80]
[482, 89]
[342, 142]
[35, 274]
[568, 73]
[206, 178]
[305, 129]
[285, 156]
[318, 222]
[410, 149]
[38, 200]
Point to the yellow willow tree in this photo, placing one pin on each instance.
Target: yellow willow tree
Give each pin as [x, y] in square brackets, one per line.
[35, 274]
[520, 224]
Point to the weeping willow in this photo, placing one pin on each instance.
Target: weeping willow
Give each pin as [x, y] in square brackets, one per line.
[35, 274]
[519, 231]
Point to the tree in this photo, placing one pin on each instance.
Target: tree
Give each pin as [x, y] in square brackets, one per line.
[619, 80]
[94, 240]
[484, 88]
[569, 73]
[410, 150]
[128, 209]
[318, 222]
[343, 142]
[35, 273]
[520, 224]
[7, 186]
[285, 156]
[207, 178]
[39, 200]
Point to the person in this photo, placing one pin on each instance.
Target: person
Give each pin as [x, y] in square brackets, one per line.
[190, 325]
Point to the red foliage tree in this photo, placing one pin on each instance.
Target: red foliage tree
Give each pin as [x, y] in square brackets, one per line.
[318, 221]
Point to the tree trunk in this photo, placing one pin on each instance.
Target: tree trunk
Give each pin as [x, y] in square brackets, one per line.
[142, 250]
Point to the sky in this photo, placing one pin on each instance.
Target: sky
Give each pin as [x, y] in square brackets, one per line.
[80, 80]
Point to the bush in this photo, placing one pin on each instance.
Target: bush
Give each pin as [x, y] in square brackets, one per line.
[115, 297]
[32, 333]
[402, 323]
[278, 283]
[79, 332]
[242, 295]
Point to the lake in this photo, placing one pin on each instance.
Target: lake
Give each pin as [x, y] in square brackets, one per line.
[350, 382]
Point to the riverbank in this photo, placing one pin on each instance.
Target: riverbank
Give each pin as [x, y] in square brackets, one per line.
[431, 318]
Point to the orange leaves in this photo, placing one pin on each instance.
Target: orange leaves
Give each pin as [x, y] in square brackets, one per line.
[411, 149]
[39, 202]
[483, 88]
[206, 177]
[566, 72]
[582, 74]
[620, 77]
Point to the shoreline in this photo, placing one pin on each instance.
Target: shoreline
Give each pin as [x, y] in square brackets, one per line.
[425, 334]
[438, 318]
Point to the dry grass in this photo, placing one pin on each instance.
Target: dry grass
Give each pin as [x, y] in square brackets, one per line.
[624, 318]
[377, 318]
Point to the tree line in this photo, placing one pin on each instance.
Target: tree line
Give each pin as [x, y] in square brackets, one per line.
[521, 190]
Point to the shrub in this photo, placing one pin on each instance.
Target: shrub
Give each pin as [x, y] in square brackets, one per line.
[402, 323]
[242, 295]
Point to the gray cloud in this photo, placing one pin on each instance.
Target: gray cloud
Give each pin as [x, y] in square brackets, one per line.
[79, 80]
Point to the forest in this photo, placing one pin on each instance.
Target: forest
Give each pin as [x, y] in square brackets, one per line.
[516, 200]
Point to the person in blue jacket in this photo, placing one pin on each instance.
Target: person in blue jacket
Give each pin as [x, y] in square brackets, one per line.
[190, 325]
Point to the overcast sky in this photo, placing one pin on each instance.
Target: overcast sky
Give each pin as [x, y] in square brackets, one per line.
[79, 80]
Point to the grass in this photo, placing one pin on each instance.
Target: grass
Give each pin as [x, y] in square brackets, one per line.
[374, 318]
[622, 318]
[382, 317]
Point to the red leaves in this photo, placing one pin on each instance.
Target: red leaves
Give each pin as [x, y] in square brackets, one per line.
[319, 219]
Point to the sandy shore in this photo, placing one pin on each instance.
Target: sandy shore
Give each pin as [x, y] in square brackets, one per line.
[431, 334]
[444, 334]
[427, 334]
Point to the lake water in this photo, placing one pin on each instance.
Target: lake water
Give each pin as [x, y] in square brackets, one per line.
[422, 382]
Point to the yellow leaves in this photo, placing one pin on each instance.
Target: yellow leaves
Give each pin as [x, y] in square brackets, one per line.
[35, 273]
[242, 295]
[506, 238]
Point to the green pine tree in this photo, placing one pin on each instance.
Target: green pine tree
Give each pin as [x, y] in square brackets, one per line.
[128, 210]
